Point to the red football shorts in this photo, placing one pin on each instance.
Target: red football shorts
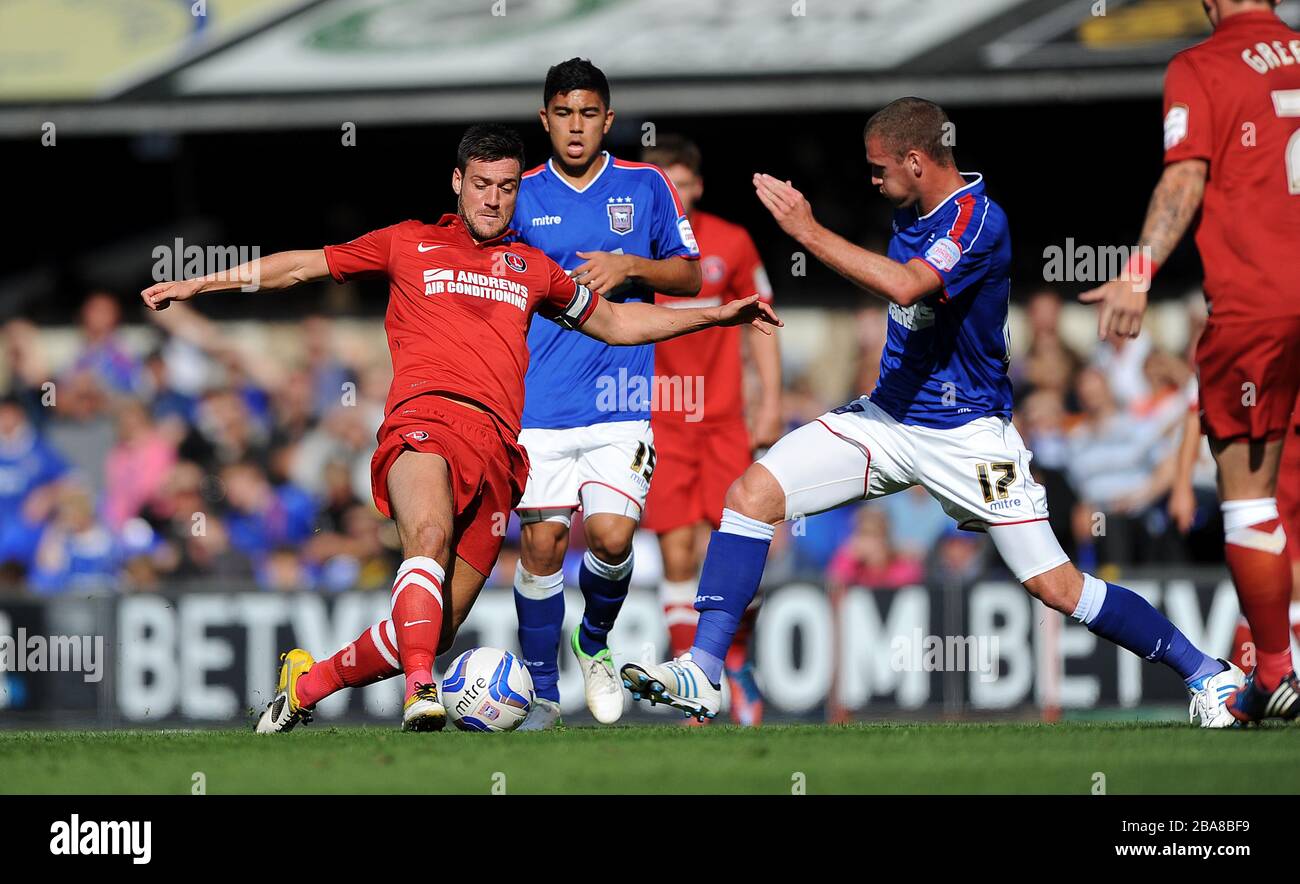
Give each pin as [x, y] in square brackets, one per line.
[695, 464]
[488, 470]
[1249, 376]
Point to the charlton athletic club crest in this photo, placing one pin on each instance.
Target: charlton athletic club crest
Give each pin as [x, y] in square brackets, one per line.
[515, 263]
[620, 214]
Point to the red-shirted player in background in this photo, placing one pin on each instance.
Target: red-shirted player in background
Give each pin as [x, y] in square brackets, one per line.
[1232, 137]
[448, 468]
[703, 442]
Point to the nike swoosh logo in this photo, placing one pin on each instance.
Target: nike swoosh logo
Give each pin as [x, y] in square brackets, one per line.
[1266, 541]
[415, 622]
[422, 247]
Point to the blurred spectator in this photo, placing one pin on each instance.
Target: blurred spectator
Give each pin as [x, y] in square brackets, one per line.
[81, 428]
[1042, 423]
[868, 558]
[1123, 362]
[284, 570]
[25, 366]
[1048, 364]
[172, 409]
[224, 433]
[101, 353]
[959, 557]
[342, 437]
[1113, 454]
[352, 554]
[137, 466]
[76, 552]
[29, 471]
[916, 520]
[205, 551]
[262, 517]
[326, 371]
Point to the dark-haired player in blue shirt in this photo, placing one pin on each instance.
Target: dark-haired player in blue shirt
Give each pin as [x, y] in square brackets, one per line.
[619, 228]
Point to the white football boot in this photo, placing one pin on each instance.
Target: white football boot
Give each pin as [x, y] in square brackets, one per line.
[680, 683]
[1209, 696]
[604, 695]
[543, 716]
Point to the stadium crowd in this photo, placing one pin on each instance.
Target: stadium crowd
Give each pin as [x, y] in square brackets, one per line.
[196, 462]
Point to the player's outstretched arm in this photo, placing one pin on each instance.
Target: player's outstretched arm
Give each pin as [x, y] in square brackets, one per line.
[637, 323]
[279, 271]
[1173, 206]
[902, 284]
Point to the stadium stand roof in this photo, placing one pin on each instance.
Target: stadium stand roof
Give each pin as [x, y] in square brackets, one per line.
[146, 65]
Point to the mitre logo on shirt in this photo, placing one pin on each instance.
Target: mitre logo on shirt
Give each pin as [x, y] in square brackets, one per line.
[445, 281]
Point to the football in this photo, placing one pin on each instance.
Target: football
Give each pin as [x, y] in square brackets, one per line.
[487, 689]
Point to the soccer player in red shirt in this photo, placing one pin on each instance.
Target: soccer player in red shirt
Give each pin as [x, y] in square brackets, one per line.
[1232, 149]
[448, 467]
[702, 439]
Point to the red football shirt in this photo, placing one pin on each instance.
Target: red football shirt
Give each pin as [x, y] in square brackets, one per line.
[1234, 101]
[458, 311]
[731, 269]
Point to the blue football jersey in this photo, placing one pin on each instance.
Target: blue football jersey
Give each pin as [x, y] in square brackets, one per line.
[945, 357]
[574, 380]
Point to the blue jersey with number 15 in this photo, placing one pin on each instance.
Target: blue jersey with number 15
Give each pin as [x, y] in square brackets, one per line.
[945, 357]
[574, 380]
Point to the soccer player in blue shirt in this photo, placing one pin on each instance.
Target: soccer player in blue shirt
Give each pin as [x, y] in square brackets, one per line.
[940, 417]
[619, 228]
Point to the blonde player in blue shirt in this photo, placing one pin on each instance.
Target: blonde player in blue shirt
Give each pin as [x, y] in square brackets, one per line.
[940, 417]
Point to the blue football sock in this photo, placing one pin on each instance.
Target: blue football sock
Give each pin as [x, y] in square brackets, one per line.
[1125, 618]
[604, 586]
[539, 604]
[733, 569]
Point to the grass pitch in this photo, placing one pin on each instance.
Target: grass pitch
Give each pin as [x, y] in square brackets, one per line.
[865, 758]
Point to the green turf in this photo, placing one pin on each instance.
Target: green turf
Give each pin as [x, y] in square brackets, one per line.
[942, 758]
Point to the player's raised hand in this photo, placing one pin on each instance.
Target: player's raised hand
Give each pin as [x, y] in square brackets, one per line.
[752, 310]
[1122, 305]
[160, 294]
[602, 272]
[788, 206]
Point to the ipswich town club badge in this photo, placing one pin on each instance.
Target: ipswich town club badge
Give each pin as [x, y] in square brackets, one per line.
[620, 214]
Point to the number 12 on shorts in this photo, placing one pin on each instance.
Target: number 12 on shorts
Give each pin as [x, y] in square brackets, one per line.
[1007, 474]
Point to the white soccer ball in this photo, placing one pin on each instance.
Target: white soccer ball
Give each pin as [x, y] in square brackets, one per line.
[487, 689]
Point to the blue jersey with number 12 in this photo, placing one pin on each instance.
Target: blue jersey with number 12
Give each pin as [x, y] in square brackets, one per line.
[574, 380]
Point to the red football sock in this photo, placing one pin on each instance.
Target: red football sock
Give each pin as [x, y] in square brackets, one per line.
[371, 658]
[417, 618]
[1240, 640]
[678, 599]
[1255, 549]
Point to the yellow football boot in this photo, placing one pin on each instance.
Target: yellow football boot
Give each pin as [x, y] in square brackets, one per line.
[284, 711]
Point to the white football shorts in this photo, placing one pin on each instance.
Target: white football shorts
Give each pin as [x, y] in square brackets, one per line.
[602, 468]
[979, 473]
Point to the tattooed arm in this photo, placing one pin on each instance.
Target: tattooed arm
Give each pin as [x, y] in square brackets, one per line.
[1173, 206]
